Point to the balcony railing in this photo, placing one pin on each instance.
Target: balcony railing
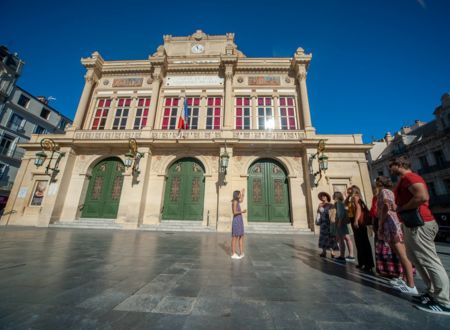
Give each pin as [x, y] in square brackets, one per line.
[435, 168]
[16, 154]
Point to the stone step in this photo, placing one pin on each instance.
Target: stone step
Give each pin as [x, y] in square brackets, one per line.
[274, 228]
[88, 223]
[178, 225]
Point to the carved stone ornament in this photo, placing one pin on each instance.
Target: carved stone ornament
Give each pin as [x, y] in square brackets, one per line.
[287, 80]
[240, 80]
[106, 82]
[149, 80]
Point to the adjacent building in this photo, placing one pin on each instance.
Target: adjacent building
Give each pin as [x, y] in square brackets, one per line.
[21, 115]
[428, 147]
[126, 163]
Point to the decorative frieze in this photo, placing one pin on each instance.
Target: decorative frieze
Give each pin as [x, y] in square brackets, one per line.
[194, 81]
[128, 82]
[189, 135]
[107, 135]
[264, 81]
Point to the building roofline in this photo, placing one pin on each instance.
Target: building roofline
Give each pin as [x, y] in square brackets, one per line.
[48, 106]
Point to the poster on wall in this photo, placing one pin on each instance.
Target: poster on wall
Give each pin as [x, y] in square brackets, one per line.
[39, 192]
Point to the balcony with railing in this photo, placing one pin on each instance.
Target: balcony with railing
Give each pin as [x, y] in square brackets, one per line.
[16, 154]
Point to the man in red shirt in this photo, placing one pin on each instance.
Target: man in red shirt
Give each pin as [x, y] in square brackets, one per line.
[412, 193]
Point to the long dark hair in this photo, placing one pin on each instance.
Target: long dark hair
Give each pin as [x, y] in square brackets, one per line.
[236, 194]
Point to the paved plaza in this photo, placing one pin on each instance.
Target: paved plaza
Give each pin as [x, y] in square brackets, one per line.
[106, 279]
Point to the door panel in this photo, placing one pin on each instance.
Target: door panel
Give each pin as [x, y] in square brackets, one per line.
[268, 196]
[104, 190]
[184, 195]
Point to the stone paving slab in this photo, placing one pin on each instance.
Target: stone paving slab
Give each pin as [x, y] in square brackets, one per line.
[103, 279]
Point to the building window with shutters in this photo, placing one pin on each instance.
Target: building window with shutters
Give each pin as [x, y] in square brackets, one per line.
[101, 114]
[265, 113]
[170, 113]
[122, 111]
[287, 113]
[243, 112]
[140, 120]
[16, 123]
[193, 112]
[213, 112]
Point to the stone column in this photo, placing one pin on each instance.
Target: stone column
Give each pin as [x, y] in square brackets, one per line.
[156, 85]
[224, 216]
[154, 199]
[304, 102]
[228, 110]
[129, 211]
[90, 80]
[276, 112]
[309, 189]
[297, 187]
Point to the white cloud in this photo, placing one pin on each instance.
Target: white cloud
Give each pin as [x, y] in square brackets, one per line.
[422, 3]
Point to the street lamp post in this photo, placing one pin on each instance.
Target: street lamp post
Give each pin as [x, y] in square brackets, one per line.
[322, 160]
[48, 144]
[133, 156]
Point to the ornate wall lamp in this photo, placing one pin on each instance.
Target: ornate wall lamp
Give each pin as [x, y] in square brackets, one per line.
[133, 156]
[224, 160]
[49, 145]
[322, 159]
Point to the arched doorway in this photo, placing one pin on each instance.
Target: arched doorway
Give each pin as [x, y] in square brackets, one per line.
[268, 193]
[184, 193]
[104, 190]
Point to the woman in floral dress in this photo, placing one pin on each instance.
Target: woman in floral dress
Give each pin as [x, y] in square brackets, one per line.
[327, 237]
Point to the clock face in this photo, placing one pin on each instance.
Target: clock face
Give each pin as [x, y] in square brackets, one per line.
[198, 48]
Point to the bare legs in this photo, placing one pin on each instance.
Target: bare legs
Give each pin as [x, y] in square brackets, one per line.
[234, 240]
[343, 241]
[400, 251]
[233, 245]
[241, 245]
[348, 240]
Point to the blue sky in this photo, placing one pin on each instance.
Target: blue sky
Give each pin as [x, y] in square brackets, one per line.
[377, 64]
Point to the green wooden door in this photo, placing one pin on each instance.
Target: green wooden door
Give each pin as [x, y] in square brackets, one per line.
[104, 190]
[184, 193]
[268, 197]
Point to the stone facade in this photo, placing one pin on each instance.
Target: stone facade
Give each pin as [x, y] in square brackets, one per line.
[254, 109]
[21, 115]
[427, 145]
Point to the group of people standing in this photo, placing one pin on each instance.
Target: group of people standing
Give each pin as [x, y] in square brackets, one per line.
[404, 229]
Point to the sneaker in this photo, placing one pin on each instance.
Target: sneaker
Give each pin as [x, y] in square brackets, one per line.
[241, 256]
[407, 290]
[350, 259]
[434, 307]
[397, 282]
[340, 259]
[235, 256]
[422, 299]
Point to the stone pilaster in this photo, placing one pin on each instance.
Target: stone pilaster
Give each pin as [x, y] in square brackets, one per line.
[156, 86]
[225, 217]
[94, 66]
[228, 112]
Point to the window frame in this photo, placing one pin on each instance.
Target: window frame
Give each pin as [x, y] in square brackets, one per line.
[241, 106]
[264, 107]
[121, 113]
[97, 119]
[170, 112]
[287, 107]
[211, 112]
[27, 103]
[141, 119]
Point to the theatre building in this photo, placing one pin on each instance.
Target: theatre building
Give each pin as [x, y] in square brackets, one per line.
[125, 164]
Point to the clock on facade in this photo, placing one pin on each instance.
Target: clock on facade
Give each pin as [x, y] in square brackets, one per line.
[198, 48]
